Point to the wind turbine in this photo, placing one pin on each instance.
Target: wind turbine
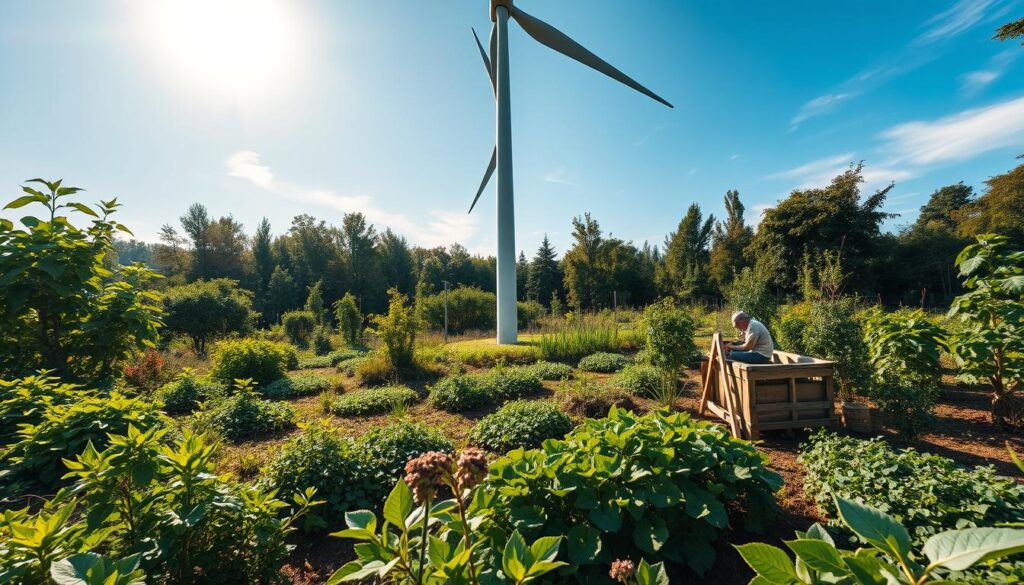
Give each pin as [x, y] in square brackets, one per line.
[496, 62]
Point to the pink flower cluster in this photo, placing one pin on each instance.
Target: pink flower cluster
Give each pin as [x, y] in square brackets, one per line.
[622, 569]
[431, 470]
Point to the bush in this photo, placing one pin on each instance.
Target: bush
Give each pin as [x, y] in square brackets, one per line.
[322, 340]
[244, 415]
[751, 293]
[520, 424]
[639, 380]
[389, 448]
[502, 384]
[468, 308]
[184, 394]
[789, 333]
[321, 458]
[26, 400]
[298, 325]
[549, 370]
[208, 310]
[659, 486]
[297, 385]
[147, 372]
[339, 355]
[251, 359]
[146, 493]
[64, 430]
[585, 399]
[458, 393]
[350, 319]
[351, 365]
[315, 362]
[670, 330]
[373, 401]
[573, 344]
[485, 353]
[833, 333]
[604, 362]
[397, 331]
[528, 313]
[927, 493]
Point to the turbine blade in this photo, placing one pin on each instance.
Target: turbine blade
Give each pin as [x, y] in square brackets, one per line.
[487, 61]
[487, 177]
[550, 36]
[493, 46]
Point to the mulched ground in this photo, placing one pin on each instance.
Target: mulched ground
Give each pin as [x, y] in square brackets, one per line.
[963, 433]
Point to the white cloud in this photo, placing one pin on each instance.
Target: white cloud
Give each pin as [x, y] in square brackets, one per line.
[753, 215]
[558, 176]
[443, 227]
[815, 167]
[958, 136]
[955, 20]
[973, 82]
[818, 106]
[819, 173]
[734, 157]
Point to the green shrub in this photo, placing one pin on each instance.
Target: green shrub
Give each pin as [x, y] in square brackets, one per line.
[297, 385]
[205, 311]
[251, 359]
[833, 333]
[604, 362]
[501, 384]
[244, 416]
[339, 355]
[583, 398]
[184, 394]
[468, 308]
[322, 458]
[64, 430]
[752, 294]
[372, 401]
[528, 314]
[573, 344]
[350, 319]
[351, 365]
[391, 446]
[927, 493]
[659, 486]
[670, 329]
[26, 400]
[789, 332]
[315, 362]
[298, 325]
[520, 424]
[147, 494]
[397, 331]
[639, 380]
[322, 340]
[549, 370]
[458, 393]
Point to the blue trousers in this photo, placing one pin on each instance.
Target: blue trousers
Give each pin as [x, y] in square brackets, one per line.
[748, 357]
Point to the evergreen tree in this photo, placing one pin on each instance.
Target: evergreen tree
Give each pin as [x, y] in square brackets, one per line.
[396, 262]
[359, 240]
[262, 255]
[315, 302]
[582, 264]
[522, 273]
[544, 276]
[730, 238]
[281, 295]
[196, 224]
[686, 256]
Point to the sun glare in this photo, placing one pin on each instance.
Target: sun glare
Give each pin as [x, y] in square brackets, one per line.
[230, 48]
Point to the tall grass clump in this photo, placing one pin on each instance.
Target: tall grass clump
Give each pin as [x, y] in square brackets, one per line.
[573, 344]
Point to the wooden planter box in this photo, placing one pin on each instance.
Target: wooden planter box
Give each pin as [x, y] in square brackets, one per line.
[792, 392]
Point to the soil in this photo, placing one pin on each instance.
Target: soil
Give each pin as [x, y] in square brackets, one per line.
[963, 432]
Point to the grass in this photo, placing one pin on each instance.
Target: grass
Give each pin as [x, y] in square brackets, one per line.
[484, 353]
[577, 342]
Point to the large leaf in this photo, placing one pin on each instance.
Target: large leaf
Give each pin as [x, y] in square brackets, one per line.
[399, 504]
[875, 527]
[768, 561]
[24, 200]
[818, 555]
[957, 550]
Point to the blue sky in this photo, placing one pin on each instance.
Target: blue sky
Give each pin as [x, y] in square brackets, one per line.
[274, 108]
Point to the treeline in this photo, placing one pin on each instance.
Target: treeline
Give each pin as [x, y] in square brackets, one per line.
[698, 262]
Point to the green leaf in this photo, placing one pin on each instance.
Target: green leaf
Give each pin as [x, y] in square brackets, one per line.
[607, 516]
[957, 550]
[818, 555]
[650, 535]
[398, 504]
[24, 200]
[546, 548]
[584, 544]
[514, 558]
[651, 574]
[867, 570]
[83, 208]
[876, 527]
[768, 561]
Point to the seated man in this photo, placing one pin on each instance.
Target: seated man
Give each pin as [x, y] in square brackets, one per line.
[757, 345]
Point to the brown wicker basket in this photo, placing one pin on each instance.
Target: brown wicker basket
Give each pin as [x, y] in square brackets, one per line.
[857, 417]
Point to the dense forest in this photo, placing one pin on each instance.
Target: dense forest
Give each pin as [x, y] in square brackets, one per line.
[701, 261]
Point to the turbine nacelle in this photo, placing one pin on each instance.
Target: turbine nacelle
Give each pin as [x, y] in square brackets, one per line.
[494, 8]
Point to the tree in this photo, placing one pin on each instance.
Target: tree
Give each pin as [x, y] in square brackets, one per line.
[1011, 30]
[686, 256]
[262, 256]
[811, 221]
[522, 274]
[397, 331]
[581, 263]
[208, 310]
[358, 241]
[61, 309]
[729, 240]
[315, 302]
[544, 277]
[281, 293]
[227, 250]
[196, 224]
[350, 320]
[170, 254]
[997, 210]
[396, 263]
[312, 252]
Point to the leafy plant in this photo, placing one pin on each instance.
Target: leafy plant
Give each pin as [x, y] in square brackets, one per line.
[321, 340]
[350, 366]
[255, 359]
[832, 332]
[187, 392]
[889, 558]
[604, 362]
[659, 486]
[146, 372]
[989, 343]
[315, 362]
[371, 401]
[520, 424]
[502, 384]
[583, 398]
[904, 349]
[670, 331]
[304, 384]
[460, 552]
[397, 331]
[390, 447]
[205, 311]
[549, 370]
[26, 401]
[244, 415]
[639, 380]
[751, 293]
[350, 319]
[926, 493]
[298, 326]
[458, 393]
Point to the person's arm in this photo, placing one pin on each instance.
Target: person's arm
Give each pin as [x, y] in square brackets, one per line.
[750, 340]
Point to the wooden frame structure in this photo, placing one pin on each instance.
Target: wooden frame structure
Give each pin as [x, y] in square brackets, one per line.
[791, 392]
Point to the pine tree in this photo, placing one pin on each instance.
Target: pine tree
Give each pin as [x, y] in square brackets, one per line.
[544, 278]
[281, 293]
[315, 302]
[729, 240]
[686, 255]
[262, 255]
[522, 274]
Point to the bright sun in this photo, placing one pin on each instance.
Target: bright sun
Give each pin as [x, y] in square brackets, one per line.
[235, 48]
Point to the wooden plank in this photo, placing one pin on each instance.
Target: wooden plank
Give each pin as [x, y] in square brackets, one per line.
[803, 424]
[792, 398]
[730, 405]
[797, 407]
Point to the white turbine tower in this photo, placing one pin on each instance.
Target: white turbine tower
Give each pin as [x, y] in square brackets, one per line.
[501, 158]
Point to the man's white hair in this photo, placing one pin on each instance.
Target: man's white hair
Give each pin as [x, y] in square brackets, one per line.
[739, 316]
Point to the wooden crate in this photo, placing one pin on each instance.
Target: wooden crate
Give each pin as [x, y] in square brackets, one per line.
[792, 392]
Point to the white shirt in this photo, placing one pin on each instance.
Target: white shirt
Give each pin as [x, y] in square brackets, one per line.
[762, 340]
